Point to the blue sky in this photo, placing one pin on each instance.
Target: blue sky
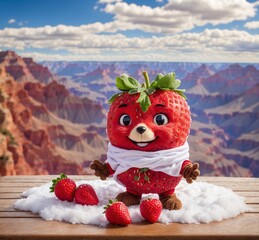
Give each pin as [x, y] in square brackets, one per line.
[148, 30]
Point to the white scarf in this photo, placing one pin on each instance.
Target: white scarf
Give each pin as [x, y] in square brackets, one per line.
[168, 161]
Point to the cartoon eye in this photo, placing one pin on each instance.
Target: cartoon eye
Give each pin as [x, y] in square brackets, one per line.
[160, 119]
[125, 120]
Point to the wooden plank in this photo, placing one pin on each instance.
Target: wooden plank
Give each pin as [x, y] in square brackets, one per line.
[241, 227]
[7, 205]
[10, 195]
[13, 189]
[254, 208]
[47, 178]
[235, 187]
[18, 214]
[251, 187]
[215, 179]
[247, 194]
[37, 179]
[252, 200]
[26, 180]
[20, 184]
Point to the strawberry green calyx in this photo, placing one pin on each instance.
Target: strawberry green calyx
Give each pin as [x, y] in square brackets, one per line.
[129, 84]
[55, 181]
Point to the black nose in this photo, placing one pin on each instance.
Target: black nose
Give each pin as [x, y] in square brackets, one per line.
[141, 129]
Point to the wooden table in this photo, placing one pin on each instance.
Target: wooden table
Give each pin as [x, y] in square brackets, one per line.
[16, 224]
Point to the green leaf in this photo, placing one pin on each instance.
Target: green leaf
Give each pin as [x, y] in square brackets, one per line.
[133, 91]
[141, 89]
[126, 83]
[62, 176]
[144, 101]
[112, 99]
[181, 92]
[159, 76]
[166, 81]
[133, 83]
[141, 97]
[121, 84]
[153, 84]
[176, 83]
[137, 90]
[150, 91]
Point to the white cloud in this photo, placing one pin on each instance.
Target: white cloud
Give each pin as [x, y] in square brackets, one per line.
[180, 15]
[12, 20]
[214, 11]
[83, 43]
[155, 20]
[252, 25]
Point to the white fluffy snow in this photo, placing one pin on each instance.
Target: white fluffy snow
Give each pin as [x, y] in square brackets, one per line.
[202, 203]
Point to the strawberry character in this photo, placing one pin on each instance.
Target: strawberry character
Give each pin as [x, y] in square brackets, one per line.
[147, 127]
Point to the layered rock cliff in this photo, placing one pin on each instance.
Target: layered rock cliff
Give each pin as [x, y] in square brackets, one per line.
[43, 128]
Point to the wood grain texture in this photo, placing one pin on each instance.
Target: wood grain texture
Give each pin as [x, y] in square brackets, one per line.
[16, 224]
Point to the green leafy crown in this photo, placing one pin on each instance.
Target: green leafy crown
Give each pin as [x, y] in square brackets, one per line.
[129, 84]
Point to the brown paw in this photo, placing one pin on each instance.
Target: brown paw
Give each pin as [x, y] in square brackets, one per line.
[128, 199]
[171, 202]
[191, 172]
[100, 169]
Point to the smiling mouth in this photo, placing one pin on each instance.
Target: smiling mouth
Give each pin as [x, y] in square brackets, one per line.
[142, 144]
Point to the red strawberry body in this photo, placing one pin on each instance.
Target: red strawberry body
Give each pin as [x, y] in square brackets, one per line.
[151, 209]
[117, 213]
[64, 188]
[139, 182]
[85, 195]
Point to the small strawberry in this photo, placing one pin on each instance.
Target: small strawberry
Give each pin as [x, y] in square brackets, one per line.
[117, 213]
[64, 188]
[151, 209]
[85, 195]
